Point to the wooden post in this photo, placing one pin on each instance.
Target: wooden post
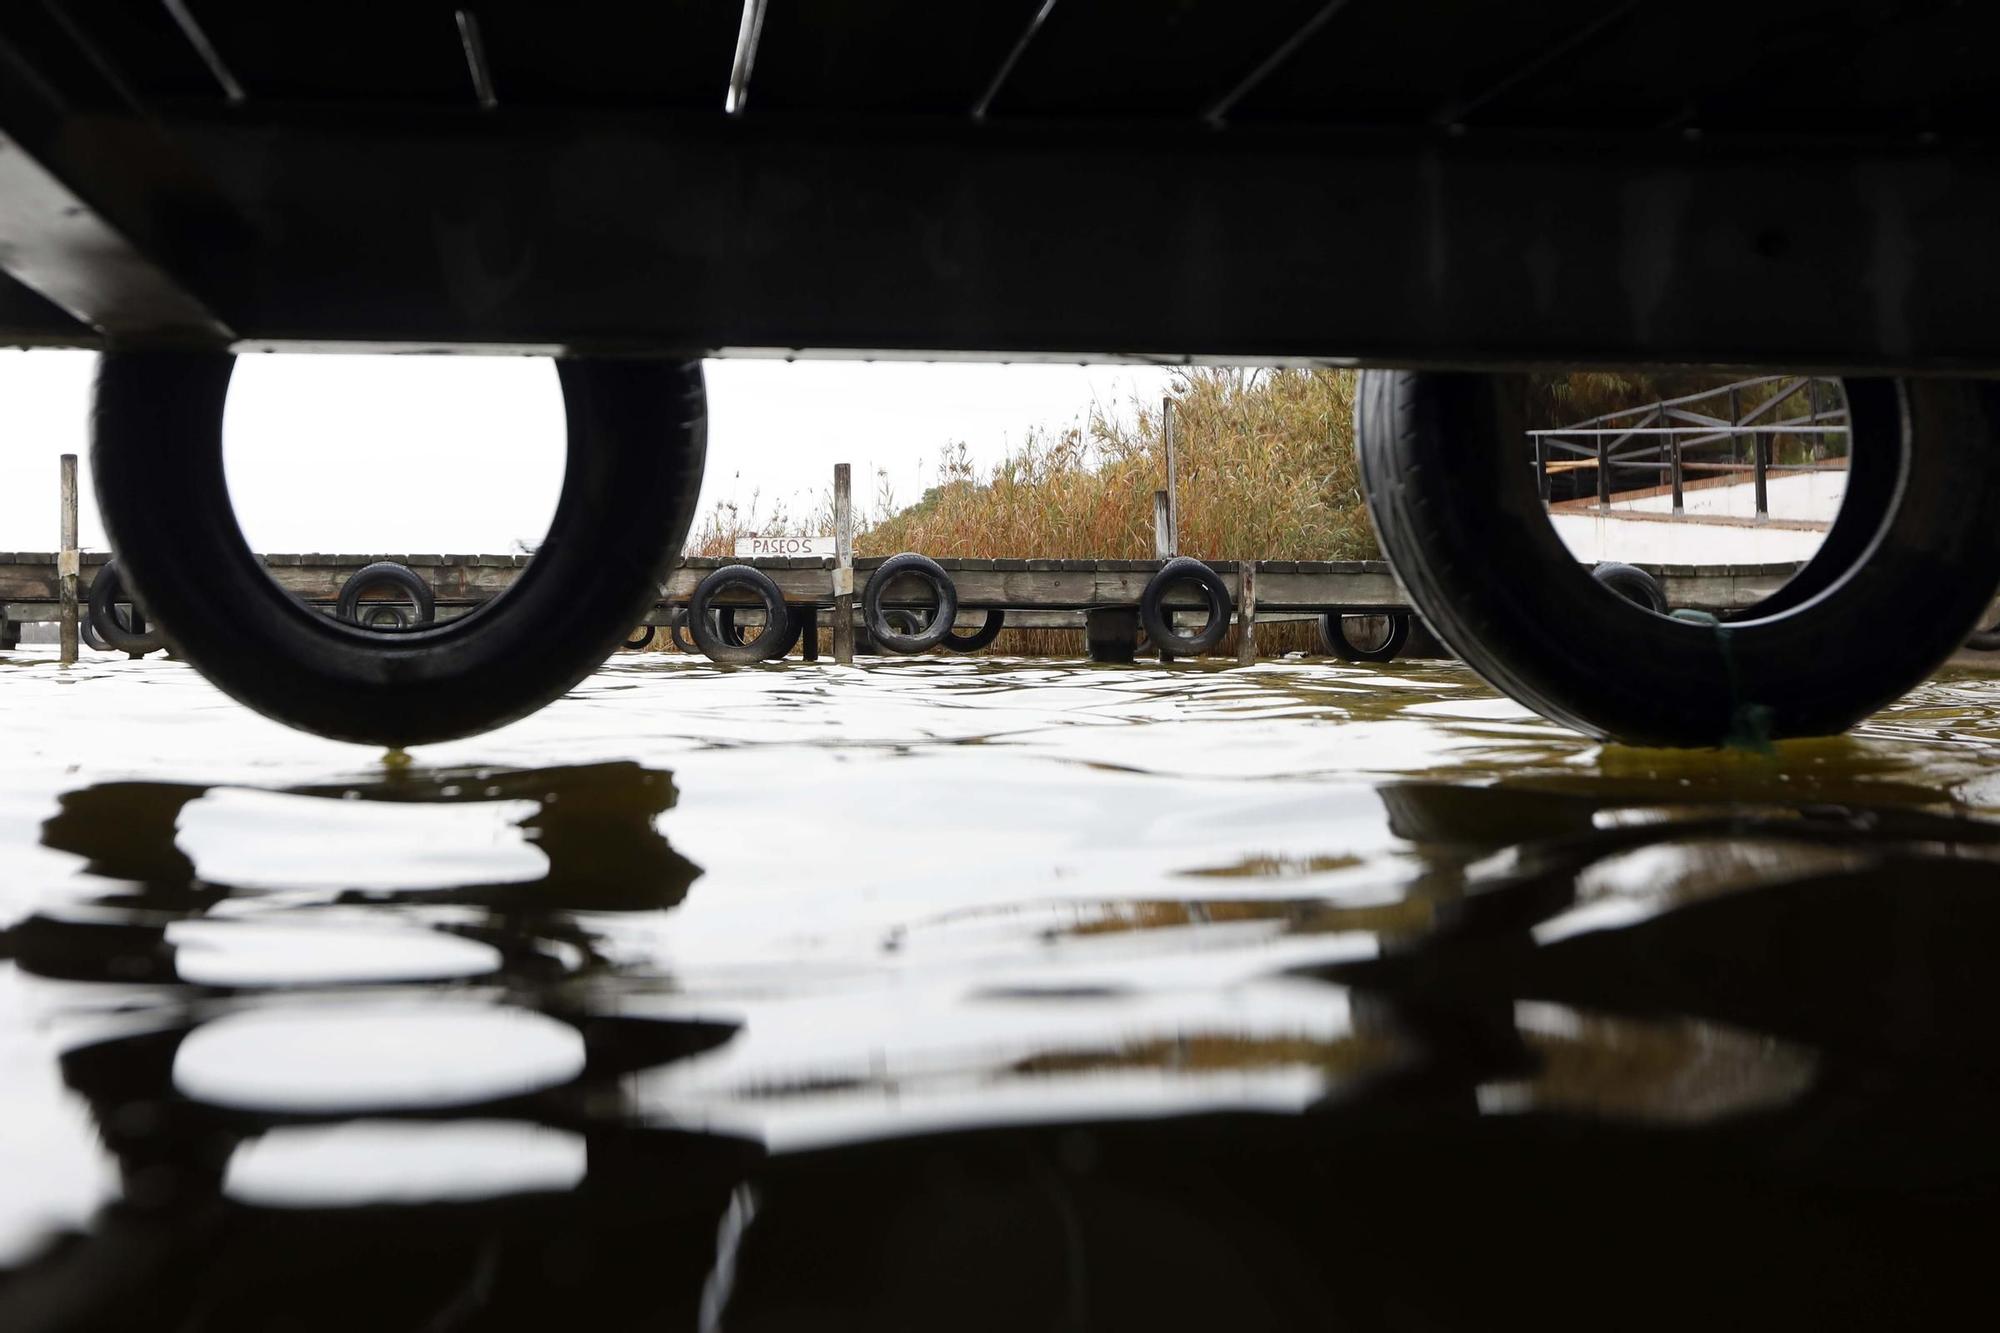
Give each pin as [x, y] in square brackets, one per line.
[1111, 633]
[1674, 460]
[68, 564]
[1759, 450]
[1604, 472]
[1542, 467]
[809, 634]
[1812, 419]
[1163, 534]
[843, 565]
[1246, 615]
[1173, 490]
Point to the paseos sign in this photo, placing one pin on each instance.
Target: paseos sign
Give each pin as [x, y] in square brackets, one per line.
[752, 548]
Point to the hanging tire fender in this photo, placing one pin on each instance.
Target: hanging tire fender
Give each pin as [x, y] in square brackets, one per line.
[1333, 636]
[996, 620]
[637, 435]
[714, 638]
[1632, 583]
[1158, 622]
[106, 591]
[386, 574]
[908, 564]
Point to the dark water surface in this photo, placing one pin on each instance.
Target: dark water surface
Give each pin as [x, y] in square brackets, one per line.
[1017, 994]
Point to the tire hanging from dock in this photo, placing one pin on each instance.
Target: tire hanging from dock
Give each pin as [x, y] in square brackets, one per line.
[107, 590]
[677, 630]
[909, 565]
[714, 638]
[996, 620]
[1463, 524]
[797, 619]
[1334, 638]
[1632, 583]
[386, 574]
[637, 437]
[1158, 620]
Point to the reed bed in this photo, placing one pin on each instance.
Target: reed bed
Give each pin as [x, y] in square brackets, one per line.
[1265, 470]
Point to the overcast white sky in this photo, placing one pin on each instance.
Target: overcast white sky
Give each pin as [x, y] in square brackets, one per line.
[463, 454]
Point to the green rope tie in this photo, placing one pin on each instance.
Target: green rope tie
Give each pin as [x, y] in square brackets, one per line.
[1749, 722]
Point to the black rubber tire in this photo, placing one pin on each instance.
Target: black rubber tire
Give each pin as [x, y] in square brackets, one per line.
[1632, 583]
[1874, 483]
[926, 637]
[1333, 637]
[677, 630]
[1459, 518]
[639, 639]
[796, 632]
[905, 622]
[91, 638]
[637, 437]
[386, 573]
[1985, 640]
[377, 612]
[714, 637]
[724, 620]
[1158, 624]
[106, 591]
[996, 620]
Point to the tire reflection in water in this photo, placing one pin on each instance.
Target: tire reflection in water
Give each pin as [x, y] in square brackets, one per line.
[1506, 1108]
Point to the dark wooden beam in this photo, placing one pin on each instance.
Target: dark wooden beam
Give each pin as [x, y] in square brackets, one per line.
[639, 234]
[57, 245]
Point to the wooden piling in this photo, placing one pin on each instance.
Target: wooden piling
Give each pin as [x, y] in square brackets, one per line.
[1246, 615]
[68, 563]
[1163, 523]
[1173, 490]
[809, 634]
[1111, 633]
[843, 565]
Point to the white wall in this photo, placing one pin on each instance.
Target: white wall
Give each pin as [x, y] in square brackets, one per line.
[1594, 537]
[1808, 495]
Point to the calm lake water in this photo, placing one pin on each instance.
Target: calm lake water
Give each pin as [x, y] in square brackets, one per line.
[990, 994]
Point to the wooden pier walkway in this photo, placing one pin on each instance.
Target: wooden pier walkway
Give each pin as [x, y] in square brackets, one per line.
[29, 586]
